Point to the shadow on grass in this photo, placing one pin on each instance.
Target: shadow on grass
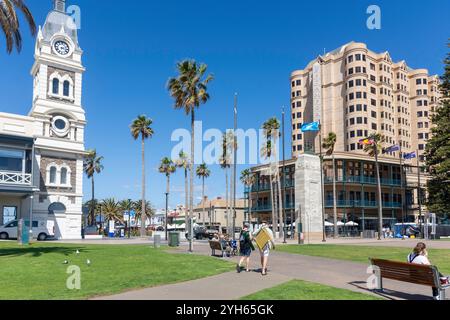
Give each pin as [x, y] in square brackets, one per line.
[38, 251]
[390, 294]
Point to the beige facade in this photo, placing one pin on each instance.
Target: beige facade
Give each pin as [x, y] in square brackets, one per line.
[215, 213]
[356, 92]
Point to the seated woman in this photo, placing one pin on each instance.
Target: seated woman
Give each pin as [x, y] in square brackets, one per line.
[420, 256]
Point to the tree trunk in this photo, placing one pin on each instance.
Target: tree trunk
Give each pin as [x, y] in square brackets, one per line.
[226, 201]
[203, 200]
[380, 197]
[336, 233]
[191, 188]
[143, 214]
[186, 200]
[167, 205]
[92, 215]
[272, 198]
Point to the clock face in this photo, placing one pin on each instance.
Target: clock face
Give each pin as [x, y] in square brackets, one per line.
[62, 47]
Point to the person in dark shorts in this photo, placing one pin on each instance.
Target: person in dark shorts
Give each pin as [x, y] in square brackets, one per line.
[246, 248]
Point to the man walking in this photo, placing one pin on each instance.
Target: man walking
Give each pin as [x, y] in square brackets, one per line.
[265, 251]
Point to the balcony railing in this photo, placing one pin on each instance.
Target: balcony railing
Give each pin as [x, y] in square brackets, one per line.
[266, 187]
[361, 204]
[15, 178]
[268, 207]
[364, 180]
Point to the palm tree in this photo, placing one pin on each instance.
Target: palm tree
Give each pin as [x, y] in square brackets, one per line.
[137, 207]
[248, 178]
[203, 172]
[329, 144]
[140, 128]
[225, 163]
[190, 90]
[183, 162]
[92, 165]
[374, 148]
[167, 167]
[9, 22]
[127, 206]
[112, 210]
[272, 132]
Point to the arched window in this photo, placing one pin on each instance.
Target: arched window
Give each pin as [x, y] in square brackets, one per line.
[66, 88]
[55, 86]
[64, 176]
[52, 175]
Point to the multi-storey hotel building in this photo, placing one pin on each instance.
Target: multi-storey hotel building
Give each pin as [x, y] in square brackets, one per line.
[354, 92]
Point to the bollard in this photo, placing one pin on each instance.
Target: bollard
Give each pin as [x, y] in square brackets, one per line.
[156, 241]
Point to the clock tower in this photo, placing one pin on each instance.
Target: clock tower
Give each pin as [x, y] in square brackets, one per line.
[60, 121]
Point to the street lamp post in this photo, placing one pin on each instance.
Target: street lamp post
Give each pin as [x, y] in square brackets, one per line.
[129, 220]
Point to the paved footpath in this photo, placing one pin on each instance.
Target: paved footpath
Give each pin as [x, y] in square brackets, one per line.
[283, 267]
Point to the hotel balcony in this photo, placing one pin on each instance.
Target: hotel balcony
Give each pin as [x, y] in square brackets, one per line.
[362, 204]
[268, 207]
[363, 180]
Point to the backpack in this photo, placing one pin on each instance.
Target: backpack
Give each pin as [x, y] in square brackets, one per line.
[242, 240]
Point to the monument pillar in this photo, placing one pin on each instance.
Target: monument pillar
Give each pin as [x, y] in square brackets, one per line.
[308, 196]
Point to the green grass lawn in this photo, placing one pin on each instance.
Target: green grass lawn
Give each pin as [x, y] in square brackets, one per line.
[37, 272]
[301, 290]
[439, 257]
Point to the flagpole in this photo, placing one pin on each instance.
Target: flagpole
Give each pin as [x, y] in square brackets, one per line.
[284, 183]
[403, 190]
[380, 197]
[322, 185]
[419, 193]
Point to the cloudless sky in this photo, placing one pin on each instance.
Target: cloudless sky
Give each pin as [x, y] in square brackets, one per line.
[131, 47]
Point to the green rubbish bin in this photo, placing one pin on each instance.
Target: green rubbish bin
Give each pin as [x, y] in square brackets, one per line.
[174, 239]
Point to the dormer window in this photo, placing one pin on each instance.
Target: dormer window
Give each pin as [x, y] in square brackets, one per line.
[55, 89]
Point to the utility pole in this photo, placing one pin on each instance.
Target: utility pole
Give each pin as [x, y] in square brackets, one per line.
[234, 163]
[402, 184]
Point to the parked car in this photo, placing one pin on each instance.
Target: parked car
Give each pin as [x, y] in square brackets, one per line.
[41, 230]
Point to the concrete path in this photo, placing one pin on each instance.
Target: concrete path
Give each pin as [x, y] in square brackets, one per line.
[283, 267]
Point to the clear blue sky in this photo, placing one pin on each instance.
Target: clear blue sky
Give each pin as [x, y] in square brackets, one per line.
[131, 48]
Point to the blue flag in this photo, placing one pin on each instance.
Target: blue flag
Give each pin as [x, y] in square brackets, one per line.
[310, 127]
[409, 156]
[392, 149]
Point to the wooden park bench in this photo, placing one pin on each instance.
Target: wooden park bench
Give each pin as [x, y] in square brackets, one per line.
[217, 245]
[410, 273]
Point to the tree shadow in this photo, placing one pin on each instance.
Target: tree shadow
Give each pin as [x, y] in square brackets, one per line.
[39, 251]
[390, 294]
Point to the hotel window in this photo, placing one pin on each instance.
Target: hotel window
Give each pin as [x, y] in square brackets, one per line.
[352, 147]
[359, 120]
[55, 89]
[358, 69]
[352, 134]
[351, 96]
[299, 137]
[418, 81]
[350, 59]
[374, 114]
[358, 82]
[359, 107]
[350, 84]
[299, 115]
[352, 121]
[352, 109]
[419, 103]
[299, 104]
[372, 78]
[364, 57]
[372, 67]
[358, 57]
[373, 90]
[350, 71]
[360, 133]
[358, 95]
[424, 81]
[374, 126]
[373, 102]
[420, 135]
[293, 84]
[52, 178]
[298, 82]
[421, 147]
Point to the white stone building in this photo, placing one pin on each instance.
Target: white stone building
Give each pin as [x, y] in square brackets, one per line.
[41, 154]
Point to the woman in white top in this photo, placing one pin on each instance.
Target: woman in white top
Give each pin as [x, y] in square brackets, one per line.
[420, 256]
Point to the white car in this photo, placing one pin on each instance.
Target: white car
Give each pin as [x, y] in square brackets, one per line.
[41, 230]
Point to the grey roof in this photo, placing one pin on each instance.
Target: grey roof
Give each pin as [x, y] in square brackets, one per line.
[58, 21]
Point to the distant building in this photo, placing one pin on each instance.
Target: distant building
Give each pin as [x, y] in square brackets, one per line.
[216, 214]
